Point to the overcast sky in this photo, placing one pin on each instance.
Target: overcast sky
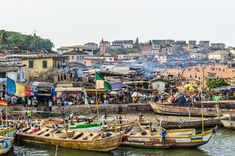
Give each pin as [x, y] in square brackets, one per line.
[68, 22]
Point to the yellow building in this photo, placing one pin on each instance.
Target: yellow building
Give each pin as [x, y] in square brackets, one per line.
[35, 66]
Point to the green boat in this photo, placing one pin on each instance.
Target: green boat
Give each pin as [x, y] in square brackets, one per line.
[82, 125]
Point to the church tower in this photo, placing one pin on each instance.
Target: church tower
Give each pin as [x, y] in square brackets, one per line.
[102, 47]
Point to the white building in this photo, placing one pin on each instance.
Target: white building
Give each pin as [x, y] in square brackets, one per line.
[218, 55]
[123, 43]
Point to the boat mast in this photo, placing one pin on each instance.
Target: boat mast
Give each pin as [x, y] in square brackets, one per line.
[201, 98]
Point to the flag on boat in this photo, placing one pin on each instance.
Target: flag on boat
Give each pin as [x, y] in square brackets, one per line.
[3, 103]
[17, 89]
[101, 83]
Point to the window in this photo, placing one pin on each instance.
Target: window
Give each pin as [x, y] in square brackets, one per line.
[44, 64]
[2, 75]
[72, 57]
[30, 63]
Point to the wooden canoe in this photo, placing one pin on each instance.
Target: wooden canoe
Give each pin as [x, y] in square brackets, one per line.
[196, 123]
[101, 141]
[187, 111]
[7, 138]
[156, 141]
[151, 129]
[126, 126]
[229, 124]
[228, 121]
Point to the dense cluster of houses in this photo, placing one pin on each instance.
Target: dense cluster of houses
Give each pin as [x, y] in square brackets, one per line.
[72, 68]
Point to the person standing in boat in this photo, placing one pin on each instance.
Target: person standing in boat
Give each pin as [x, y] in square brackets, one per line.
[163, 134]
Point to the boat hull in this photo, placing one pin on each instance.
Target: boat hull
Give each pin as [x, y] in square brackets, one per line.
[187, 111]
[229, 124]
[101, 145]
[155, 141]
[6, 143]
[189, 124]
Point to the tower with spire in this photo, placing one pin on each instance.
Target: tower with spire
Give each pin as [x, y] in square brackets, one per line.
[102, 47]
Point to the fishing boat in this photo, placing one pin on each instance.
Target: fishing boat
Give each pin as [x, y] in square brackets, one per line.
[123, 126]
[225, 104]
[190, 123]
[149, 127]
[101, 141]
[228, 121]
[7, 137]
[157, 141]
[187, 111]
[80, 122]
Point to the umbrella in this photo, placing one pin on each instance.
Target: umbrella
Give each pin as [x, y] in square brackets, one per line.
[136, 94]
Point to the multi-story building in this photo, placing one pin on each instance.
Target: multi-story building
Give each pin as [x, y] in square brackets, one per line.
[65, 49]
[218, 55]
[180, 44]
[218, 46]
[77, 56]
[91, 45]
[192, 42]
[123, 43]
[204, 44]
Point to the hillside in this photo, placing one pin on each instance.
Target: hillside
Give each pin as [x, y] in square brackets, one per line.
[15, 40]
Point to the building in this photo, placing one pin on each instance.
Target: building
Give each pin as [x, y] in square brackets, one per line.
[180, 44]
[91, 45]
[167, 50]
[104, 46]
[218, 55]
[198, 56]
[130, 56]
[16, 73]
[192, 42]
[35, 65]
[162, 58]
[77, 56]
[204, 44]
[122, 44]
[157, 44]
[218, 46]
[91, 60]
[232, 51]
[65, 49]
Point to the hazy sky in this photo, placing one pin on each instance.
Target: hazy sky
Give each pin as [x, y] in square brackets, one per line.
[68, 22]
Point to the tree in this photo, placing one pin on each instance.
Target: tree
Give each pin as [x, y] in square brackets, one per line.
[12, 40]
[215, 83]
[3, 39]
[136, 44]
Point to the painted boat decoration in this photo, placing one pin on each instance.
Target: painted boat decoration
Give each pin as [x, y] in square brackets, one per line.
[7, 137]
[157, 141]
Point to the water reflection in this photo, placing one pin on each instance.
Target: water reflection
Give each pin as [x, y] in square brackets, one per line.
[222, 143]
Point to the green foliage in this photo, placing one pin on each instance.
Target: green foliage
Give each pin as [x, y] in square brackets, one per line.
[123, 51]
[214, 83]
[15, 40]
[136, 44]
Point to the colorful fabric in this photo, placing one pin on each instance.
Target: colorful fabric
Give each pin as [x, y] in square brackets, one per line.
[3, 103]
[18, 89]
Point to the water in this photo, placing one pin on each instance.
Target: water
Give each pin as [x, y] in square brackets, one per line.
[222, 143]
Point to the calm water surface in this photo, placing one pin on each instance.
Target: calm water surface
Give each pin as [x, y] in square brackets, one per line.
[222, 143]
